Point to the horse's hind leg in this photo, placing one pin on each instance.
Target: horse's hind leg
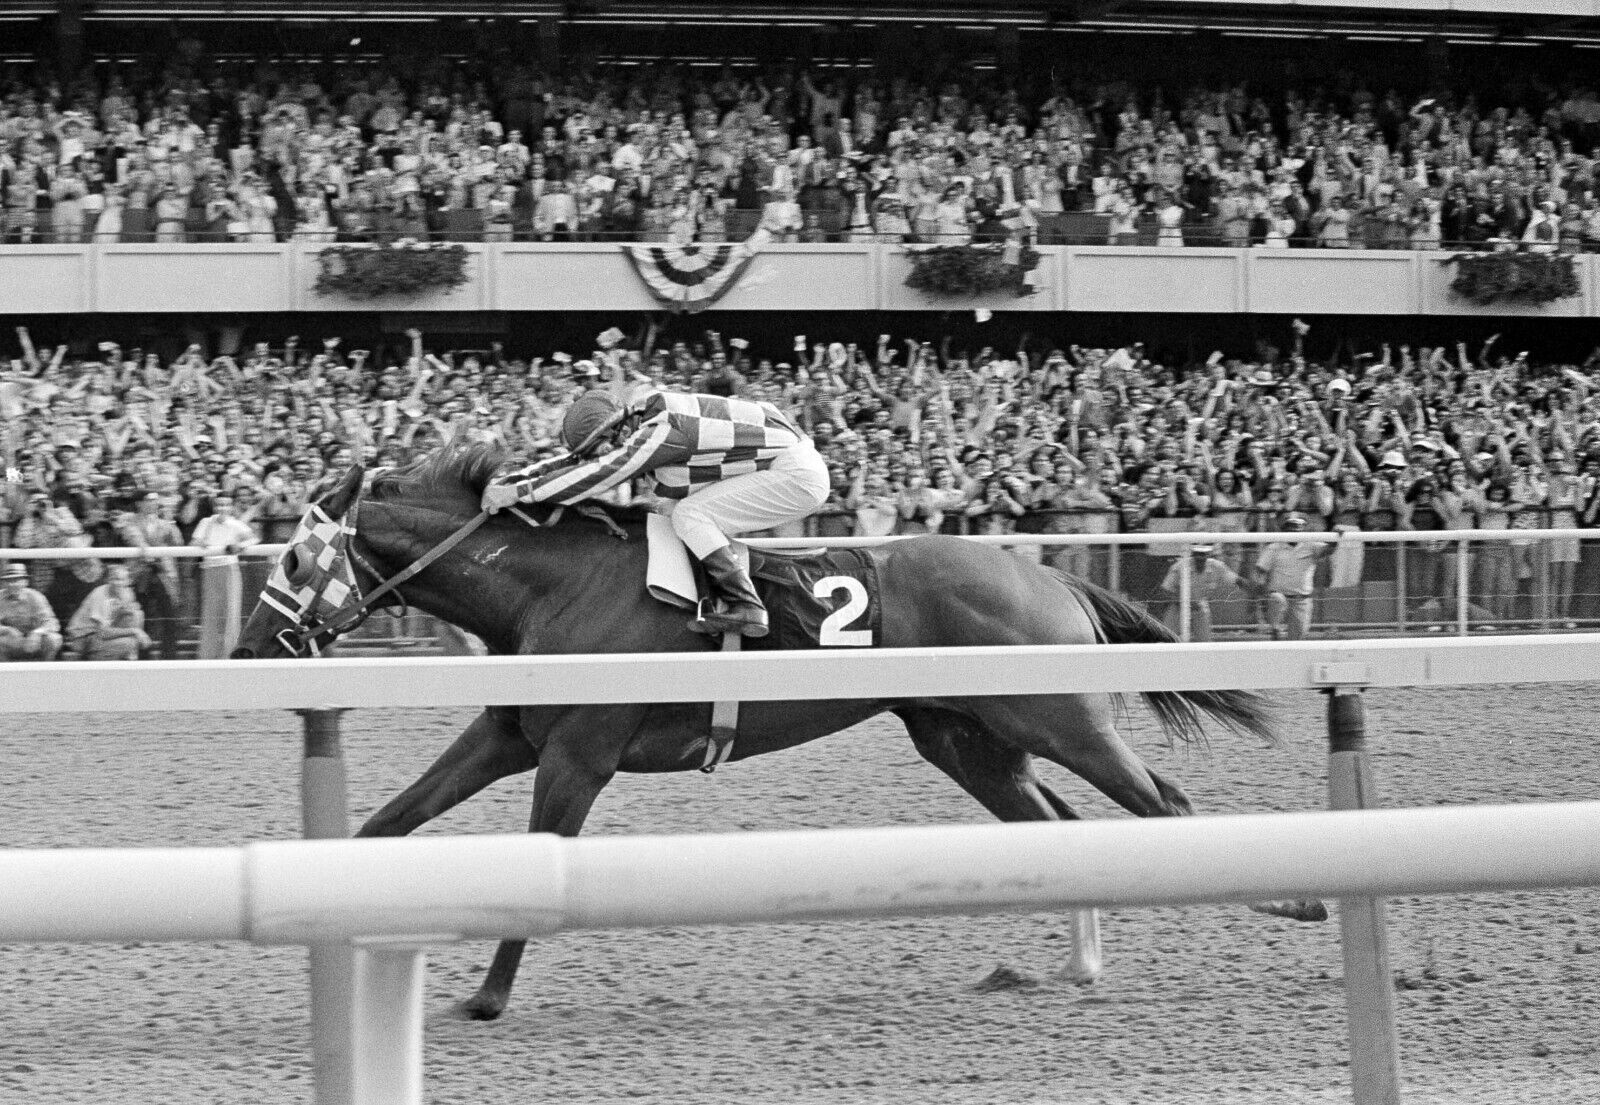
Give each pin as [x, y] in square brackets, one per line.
[489, 749]
[1078, 733]
[1002, 779]
[998, 776]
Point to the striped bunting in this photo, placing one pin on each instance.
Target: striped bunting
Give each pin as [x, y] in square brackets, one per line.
[690, 277]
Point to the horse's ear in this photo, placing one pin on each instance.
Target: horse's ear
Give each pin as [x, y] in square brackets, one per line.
[337, 501]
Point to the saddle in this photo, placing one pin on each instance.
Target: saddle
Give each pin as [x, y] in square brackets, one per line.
[815, 598]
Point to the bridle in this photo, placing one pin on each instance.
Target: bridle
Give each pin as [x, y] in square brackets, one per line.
[353, 608]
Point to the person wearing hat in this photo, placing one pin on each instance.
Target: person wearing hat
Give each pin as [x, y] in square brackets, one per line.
[29, 629]
[1286, 571]
[730, 466]
[1209, 579]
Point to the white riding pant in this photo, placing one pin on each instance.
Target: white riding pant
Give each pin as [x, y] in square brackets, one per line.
[795, 486]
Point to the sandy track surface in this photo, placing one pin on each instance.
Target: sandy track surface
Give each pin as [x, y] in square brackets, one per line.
[1500, 999]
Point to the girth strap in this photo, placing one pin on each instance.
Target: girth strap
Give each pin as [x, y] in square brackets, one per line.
[724, 720]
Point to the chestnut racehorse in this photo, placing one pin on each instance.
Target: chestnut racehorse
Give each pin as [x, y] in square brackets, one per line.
[573, 587]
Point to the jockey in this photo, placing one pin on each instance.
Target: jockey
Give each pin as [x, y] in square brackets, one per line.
[733, 466]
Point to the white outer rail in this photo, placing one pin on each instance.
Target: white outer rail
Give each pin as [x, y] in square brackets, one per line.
[388, 900]
[189, 685]
[1009, 540]
[430, 890]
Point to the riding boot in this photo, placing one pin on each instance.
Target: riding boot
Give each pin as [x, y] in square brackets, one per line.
[741, 609]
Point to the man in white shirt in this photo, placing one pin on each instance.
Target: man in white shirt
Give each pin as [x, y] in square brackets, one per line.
[1288, 572]
[628, 156]
[223, 535]
[556, 213]
[782, 217]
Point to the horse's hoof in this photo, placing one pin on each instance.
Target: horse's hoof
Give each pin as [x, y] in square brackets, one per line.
[1296, 909]
[481, 1007]
[1079, 975]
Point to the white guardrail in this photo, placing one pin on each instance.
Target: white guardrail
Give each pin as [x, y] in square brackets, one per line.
[399, 682]
[1064, 540]
[368, 909]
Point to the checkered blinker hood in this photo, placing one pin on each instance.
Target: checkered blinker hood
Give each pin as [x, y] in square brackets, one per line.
[313, 579]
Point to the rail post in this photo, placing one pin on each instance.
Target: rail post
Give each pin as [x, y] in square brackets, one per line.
[221, 605]
[1363, 933]
[386, 1037]
[1186, 594]
[324, 816]
[1086, 962]
[1463, 589]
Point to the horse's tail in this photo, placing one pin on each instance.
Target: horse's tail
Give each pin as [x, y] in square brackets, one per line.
[1122, 623]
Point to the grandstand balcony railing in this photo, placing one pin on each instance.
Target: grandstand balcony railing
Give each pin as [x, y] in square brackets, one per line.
[194, 277]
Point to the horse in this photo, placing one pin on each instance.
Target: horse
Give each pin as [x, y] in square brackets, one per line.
[570, 586]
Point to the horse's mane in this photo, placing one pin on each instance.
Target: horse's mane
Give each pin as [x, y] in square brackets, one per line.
[464, 469]
[454, 469]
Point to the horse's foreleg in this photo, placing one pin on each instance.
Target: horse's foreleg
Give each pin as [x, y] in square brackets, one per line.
[489, 749]
[573, 770]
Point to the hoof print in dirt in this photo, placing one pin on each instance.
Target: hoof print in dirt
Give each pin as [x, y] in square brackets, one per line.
[1004, 978]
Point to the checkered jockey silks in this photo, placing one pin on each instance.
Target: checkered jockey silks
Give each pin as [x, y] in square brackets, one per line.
[313, 579]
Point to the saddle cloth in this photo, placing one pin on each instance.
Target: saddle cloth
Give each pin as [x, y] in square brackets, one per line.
[815, 599]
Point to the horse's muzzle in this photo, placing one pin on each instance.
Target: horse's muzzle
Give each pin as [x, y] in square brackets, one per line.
[242, 654]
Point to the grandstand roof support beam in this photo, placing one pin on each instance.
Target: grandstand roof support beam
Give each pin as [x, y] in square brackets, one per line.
[549, 28]
[69, 37]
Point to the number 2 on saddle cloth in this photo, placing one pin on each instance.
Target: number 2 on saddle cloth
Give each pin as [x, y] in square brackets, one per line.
[825, 600]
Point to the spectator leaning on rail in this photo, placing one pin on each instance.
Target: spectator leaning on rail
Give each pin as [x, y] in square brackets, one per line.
[1210, 580]
[729, 466]
[29, 629]
[1288, 572]
[223, 535]
[109, 625]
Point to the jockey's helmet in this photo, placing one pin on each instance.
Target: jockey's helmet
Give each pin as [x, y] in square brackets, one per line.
[591, 416]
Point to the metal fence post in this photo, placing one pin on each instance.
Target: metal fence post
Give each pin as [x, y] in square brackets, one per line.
[1542, 583]
[387, 1023]
[1086, 962]
[1185, 594]
[1368, 981]
[221, 606]
[1401, 554]
[324, 816]
[1463, 591]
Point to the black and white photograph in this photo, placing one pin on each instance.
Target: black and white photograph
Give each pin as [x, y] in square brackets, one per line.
[1137, 460]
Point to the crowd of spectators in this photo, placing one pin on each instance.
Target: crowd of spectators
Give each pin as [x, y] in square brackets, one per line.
[128, 449]
[196, 148]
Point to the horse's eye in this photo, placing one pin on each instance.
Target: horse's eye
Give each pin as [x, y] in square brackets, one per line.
[298, 566]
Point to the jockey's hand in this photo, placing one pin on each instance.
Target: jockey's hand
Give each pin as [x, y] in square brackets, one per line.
[663, 507]
[498, 496]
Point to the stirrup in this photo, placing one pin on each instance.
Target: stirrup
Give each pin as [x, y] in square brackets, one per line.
[699, 623]
[715, 623]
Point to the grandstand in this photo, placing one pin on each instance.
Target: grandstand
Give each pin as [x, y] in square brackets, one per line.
[175, 177]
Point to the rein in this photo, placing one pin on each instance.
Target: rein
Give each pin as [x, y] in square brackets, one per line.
[300, 638]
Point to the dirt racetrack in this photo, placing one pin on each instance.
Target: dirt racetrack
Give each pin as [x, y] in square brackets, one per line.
[1499, 998]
